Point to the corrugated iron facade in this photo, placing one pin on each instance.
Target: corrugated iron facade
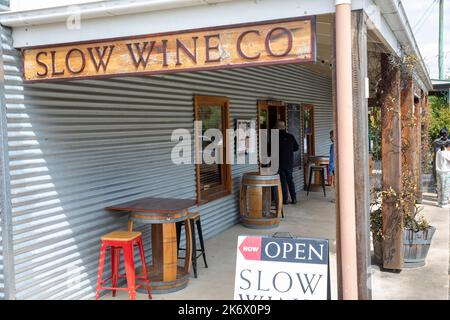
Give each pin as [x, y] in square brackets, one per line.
[76, 147]
[2, 279]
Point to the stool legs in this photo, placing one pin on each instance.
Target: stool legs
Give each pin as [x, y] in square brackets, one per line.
[202, 244]
[191, 243]
[129, 268]
[178, 226]
[100, 270]
[144, 267]
[323, 183]
[310, 178]
[188, 250]
[115, 259]
[194, 248]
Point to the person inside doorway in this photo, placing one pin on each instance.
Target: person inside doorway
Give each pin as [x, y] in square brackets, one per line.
[443, 175]
[288, 145]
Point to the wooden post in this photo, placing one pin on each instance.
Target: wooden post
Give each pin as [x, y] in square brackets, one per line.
[336, 164]
[391, 162]
[425, 139]
[361, 152]
[418, 146]
[407, 119]
[346, 168]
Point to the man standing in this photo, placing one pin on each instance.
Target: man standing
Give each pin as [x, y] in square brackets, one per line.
[288, 145]
[443, 175]
[437, 145]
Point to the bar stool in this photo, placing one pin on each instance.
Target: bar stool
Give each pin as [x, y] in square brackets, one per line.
[194, 221]
[320, 169]
[118, 241]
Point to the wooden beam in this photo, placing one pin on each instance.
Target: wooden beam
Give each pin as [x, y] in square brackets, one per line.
[418, 146]
[407, 119]
[425, 139]
[391, 162]
[361, 152]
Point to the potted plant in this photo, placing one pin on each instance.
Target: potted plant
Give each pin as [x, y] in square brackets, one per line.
[417, 232]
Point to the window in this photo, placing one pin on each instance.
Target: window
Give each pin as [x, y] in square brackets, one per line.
[308, 130]
[213, 179]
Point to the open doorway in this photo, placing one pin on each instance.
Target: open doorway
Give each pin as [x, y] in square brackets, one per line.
[269, 112]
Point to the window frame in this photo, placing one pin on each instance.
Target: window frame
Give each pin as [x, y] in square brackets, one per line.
[311, 137]
[264, 106]
[224, 188]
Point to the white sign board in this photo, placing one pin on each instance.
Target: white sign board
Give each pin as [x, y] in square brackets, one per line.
[270, 268]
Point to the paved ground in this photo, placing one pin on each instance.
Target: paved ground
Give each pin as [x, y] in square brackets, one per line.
[315, 217]
[430, 282]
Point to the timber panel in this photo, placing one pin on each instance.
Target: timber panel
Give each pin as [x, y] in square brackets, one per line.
[391, 163]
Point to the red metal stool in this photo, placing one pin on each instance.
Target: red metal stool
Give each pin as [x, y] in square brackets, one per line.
[117, 241]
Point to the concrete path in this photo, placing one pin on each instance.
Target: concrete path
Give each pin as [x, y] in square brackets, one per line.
[315, 217]
[430, 282]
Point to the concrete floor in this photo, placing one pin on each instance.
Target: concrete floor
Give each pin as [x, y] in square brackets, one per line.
[430, 282]
[315, 217]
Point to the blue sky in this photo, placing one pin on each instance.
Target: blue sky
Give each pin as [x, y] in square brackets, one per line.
[425, 24]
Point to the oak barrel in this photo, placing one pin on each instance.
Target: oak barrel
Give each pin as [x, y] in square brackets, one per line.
[261, 200]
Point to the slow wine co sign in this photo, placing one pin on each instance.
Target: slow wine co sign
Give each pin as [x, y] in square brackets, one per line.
[270, 268]
[273, 42]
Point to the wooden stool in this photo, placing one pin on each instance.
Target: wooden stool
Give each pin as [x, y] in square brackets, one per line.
[117, 241]
[320, 169]
[194, 221]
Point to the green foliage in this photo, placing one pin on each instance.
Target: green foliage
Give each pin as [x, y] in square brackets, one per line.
[440, 116]
[405, 204]
[375, 132]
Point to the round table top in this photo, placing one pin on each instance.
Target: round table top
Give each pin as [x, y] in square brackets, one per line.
[157, 210]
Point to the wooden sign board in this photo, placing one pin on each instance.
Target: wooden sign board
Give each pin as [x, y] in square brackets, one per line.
[271, 268]
[273, 42]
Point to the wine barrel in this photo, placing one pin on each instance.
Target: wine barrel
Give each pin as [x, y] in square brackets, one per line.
[257, 210]
[416, 245]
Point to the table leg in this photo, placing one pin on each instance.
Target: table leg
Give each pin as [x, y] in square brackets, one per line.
[164, 249]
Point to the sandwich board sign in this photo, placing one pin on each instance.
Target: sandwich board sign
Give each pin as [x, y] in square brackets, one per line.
[281, 268]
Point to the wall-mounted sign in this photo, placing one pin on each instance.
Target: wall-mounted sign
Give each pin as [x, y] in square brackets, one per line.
[269, 268]
[273, 42]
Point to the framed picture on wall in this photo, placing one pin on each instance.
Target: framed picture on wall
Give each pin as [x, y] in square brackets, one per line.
[243, 136]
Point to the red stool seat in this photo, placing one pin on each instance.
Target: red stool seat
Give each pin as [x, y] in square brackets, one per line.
[124, 241]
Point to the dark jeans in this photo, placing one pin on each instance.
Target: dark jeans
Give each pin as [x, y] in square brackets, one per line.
[287, 179]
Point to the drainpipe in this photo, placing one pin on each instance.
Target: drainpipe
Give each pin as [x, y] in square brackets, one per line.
[347, 218]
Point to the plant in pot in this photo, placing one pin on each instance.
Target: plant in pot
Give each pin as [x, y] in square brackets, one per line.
[417, 232]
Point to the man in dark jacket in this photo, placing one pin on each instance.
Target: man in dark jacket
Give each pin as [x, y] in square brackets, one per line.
[287, 146]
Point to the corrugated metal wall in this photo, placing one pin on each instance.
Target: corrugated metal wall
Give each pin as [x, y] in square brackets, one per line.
[2, 176]
[76, 147]
[2, 280]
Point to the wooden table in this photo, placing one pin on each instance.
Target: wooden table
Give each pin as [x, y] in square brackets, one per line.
[162, 214]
